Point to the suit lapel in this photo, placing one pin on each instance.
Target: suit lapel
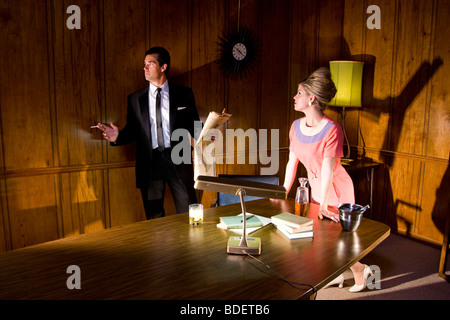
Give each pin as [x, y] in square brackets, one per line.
[144, 106]
[173, 106]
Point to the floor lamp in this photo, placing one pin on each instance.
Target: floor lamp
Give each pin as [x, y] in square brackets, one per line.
[347, 76]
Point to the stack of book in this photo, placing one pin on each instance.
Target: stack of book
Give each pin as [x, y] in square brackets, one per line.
[293, 226]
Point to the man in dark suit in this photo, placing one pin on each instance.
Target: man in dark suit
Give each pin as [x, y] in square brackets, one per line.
[153, 114]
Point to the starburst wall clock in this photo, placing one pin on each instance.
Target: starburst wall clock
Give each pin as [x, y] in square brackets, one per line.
[238, 53]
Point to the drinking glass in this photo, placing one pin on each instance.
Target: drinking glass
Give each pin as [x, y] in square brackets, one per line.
[196, 214]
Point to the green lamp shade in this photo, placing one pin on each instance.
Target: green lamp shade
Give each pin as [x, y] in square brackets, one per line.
[347, 76]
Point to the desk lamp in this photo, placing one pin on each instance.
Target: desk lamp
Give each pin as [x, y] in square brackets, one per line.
[244, 244]
[347, 76]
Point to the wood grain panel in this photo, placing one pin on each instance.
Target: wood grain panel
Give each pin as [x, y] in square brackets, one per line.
[169, 28]
[79, 103]
[275, 100]
[5, 240]
[403, 209]
[207, 22]
[86, 194]
[125, 201]
[33, 216]
[378, 75]
[244, 104]
[434, 201]
[439, 113]
[409, 87]
[77, 84]
[24, 84]
[331, 17]
[207, 81]
[125, 40]
[304, 29]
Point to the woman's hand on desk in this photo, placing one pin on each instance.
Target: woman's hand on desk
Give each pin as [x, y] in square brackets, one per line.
[328, 214]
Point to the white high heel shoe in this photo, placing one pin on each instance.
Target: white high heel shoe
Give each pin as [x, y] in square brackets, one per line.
[338, 280]
[360, 287]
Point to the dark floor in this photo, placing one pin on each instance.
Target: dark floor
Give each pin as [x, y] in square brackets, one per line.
[409, 271]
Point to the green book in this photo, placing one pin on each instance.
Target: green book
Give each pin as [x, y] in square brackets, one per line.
[235, 222]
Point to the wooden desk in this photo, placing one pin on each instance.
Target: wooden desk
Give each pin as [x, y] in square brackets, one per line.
[167, 258]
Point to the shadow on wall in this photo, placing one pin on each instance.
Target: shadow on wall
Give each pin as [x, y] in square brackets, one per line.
[378, 107]
[441, 208]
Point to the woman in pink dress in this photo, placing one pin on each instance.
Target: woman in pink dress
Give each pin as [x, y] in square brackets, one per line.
[317, 142]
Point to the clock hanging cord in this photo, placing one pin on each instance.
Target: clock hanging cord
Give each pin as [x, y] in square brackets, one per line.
[239, 14]
[314, 291]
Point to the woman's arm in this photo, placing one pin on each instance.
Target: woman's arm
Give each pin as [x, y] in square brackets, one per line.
[326, 182]
[291, 171]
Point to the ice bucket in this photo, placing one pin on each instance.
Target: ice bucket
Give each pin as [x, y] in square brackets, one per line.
[350, 215]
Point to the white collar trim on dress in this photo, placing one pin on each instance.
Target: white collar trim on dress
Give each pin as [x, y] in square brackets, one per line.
[311, 131]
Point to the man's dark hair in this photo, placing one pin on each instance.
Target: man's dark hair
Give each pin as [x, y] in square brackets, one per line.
[163, 56]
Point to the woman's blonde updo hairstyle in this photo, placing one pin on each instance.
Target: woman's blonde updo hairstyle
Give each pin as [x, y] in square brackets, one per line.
[320, 85]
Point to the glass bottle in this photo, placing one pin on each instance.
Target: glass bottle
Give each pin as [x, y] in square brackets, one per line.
[302, 198]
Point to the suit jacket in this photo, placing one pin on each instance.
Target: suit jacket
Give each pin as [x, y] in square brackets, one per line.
[183, 113]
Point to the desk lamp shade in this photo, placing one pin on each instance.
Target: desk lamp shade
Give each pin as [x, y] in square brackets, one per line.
[347, 76]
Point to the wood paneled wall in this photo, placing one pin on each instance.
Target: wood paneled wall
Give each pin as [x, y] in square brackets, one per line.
[404, 121]
[58, 178]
